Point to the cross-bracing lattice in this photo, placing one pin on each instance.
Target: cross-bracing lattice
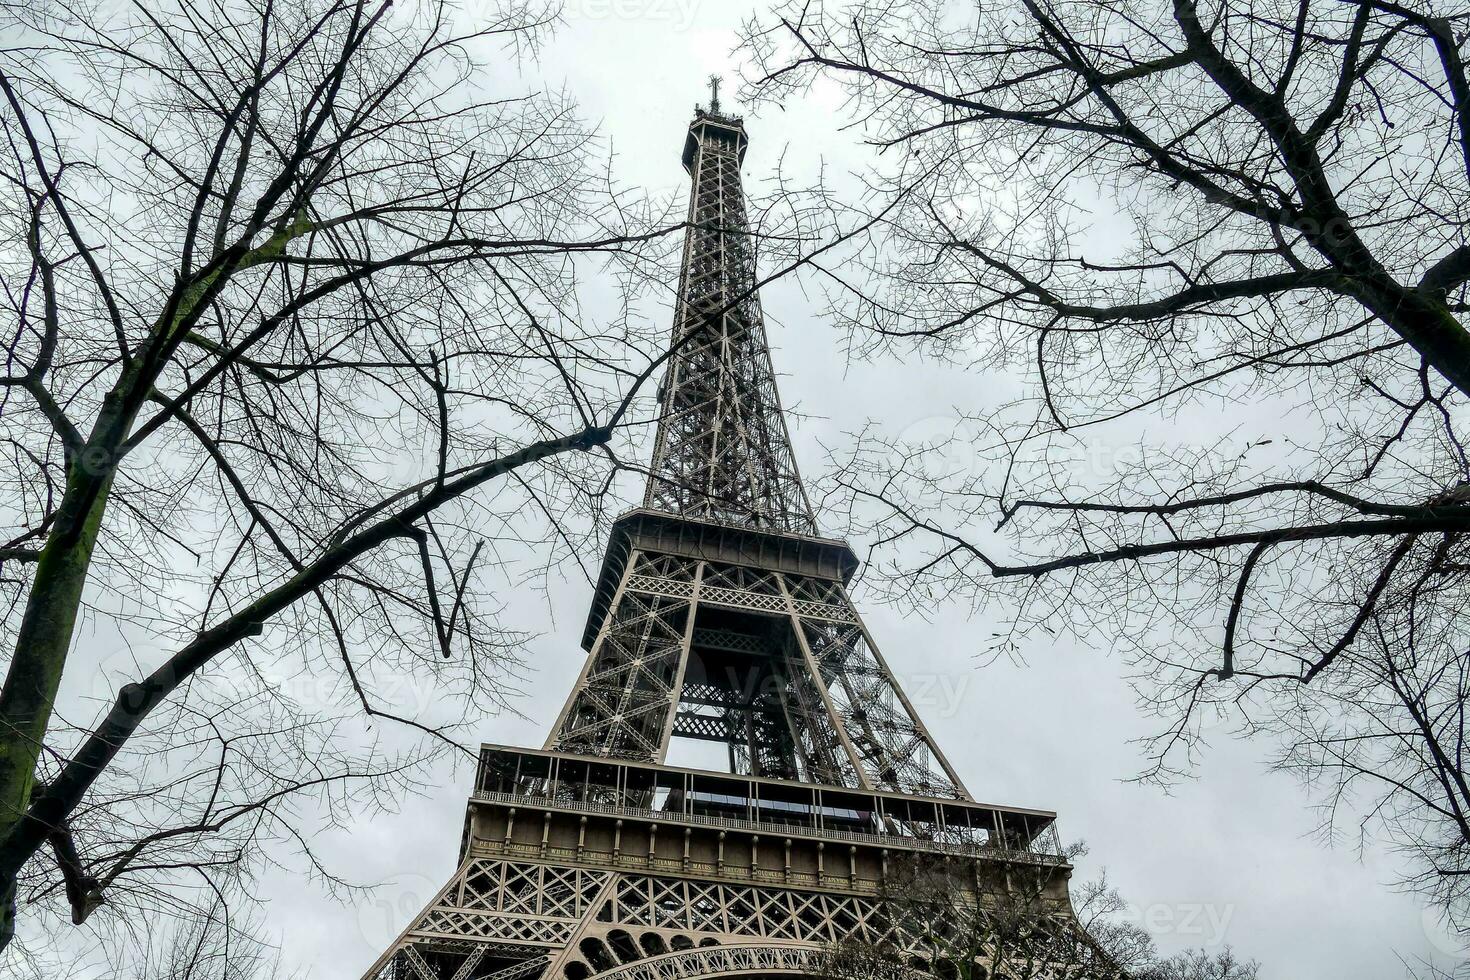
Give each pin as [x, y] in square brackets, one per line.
[497, 921]
[811, 697]
[723, 453]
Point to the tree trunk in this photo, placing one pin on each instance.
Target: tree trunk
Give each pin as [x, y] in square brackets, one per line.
[41, 648]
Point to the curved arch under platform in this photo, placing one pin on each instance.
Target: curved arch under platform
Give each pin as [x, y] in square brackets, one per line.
[746, 959]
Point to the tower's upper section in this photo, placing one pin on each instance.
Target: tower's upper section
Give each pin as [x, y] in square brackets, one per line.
[722, 453]
[712, 125]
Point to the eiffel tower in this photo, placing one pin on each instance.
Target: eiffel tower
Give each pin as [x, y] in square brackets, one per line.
[721, 614]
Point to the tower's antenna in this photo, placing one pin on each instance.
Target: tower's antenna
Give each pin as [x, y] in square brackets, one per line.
[714, 93]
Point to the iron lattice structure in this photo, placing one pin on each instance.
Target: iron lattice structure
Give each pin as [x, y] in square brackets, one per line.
[722, 453]
[720, 615]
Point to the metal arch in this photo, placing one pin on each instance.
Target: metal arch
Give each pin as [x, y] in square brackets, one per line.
[721, 961]
[733, 961]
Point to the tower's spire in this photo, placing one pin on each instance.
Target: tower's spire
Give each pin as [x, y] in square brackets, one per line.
[722, 453]
[714, 93]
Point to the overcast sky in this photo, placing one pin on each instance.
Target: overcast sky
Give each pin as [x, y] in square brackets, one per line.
[1227, 858]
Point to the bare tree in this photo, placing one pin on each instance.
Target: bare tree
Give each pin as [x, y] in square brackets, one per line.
[1388, 728]
[1233, 235]
[948, 923]
[294, 364]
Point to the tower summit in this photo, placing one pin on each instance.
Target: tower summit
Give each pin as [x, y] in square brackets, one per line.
[722, 452]
[721, 615]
